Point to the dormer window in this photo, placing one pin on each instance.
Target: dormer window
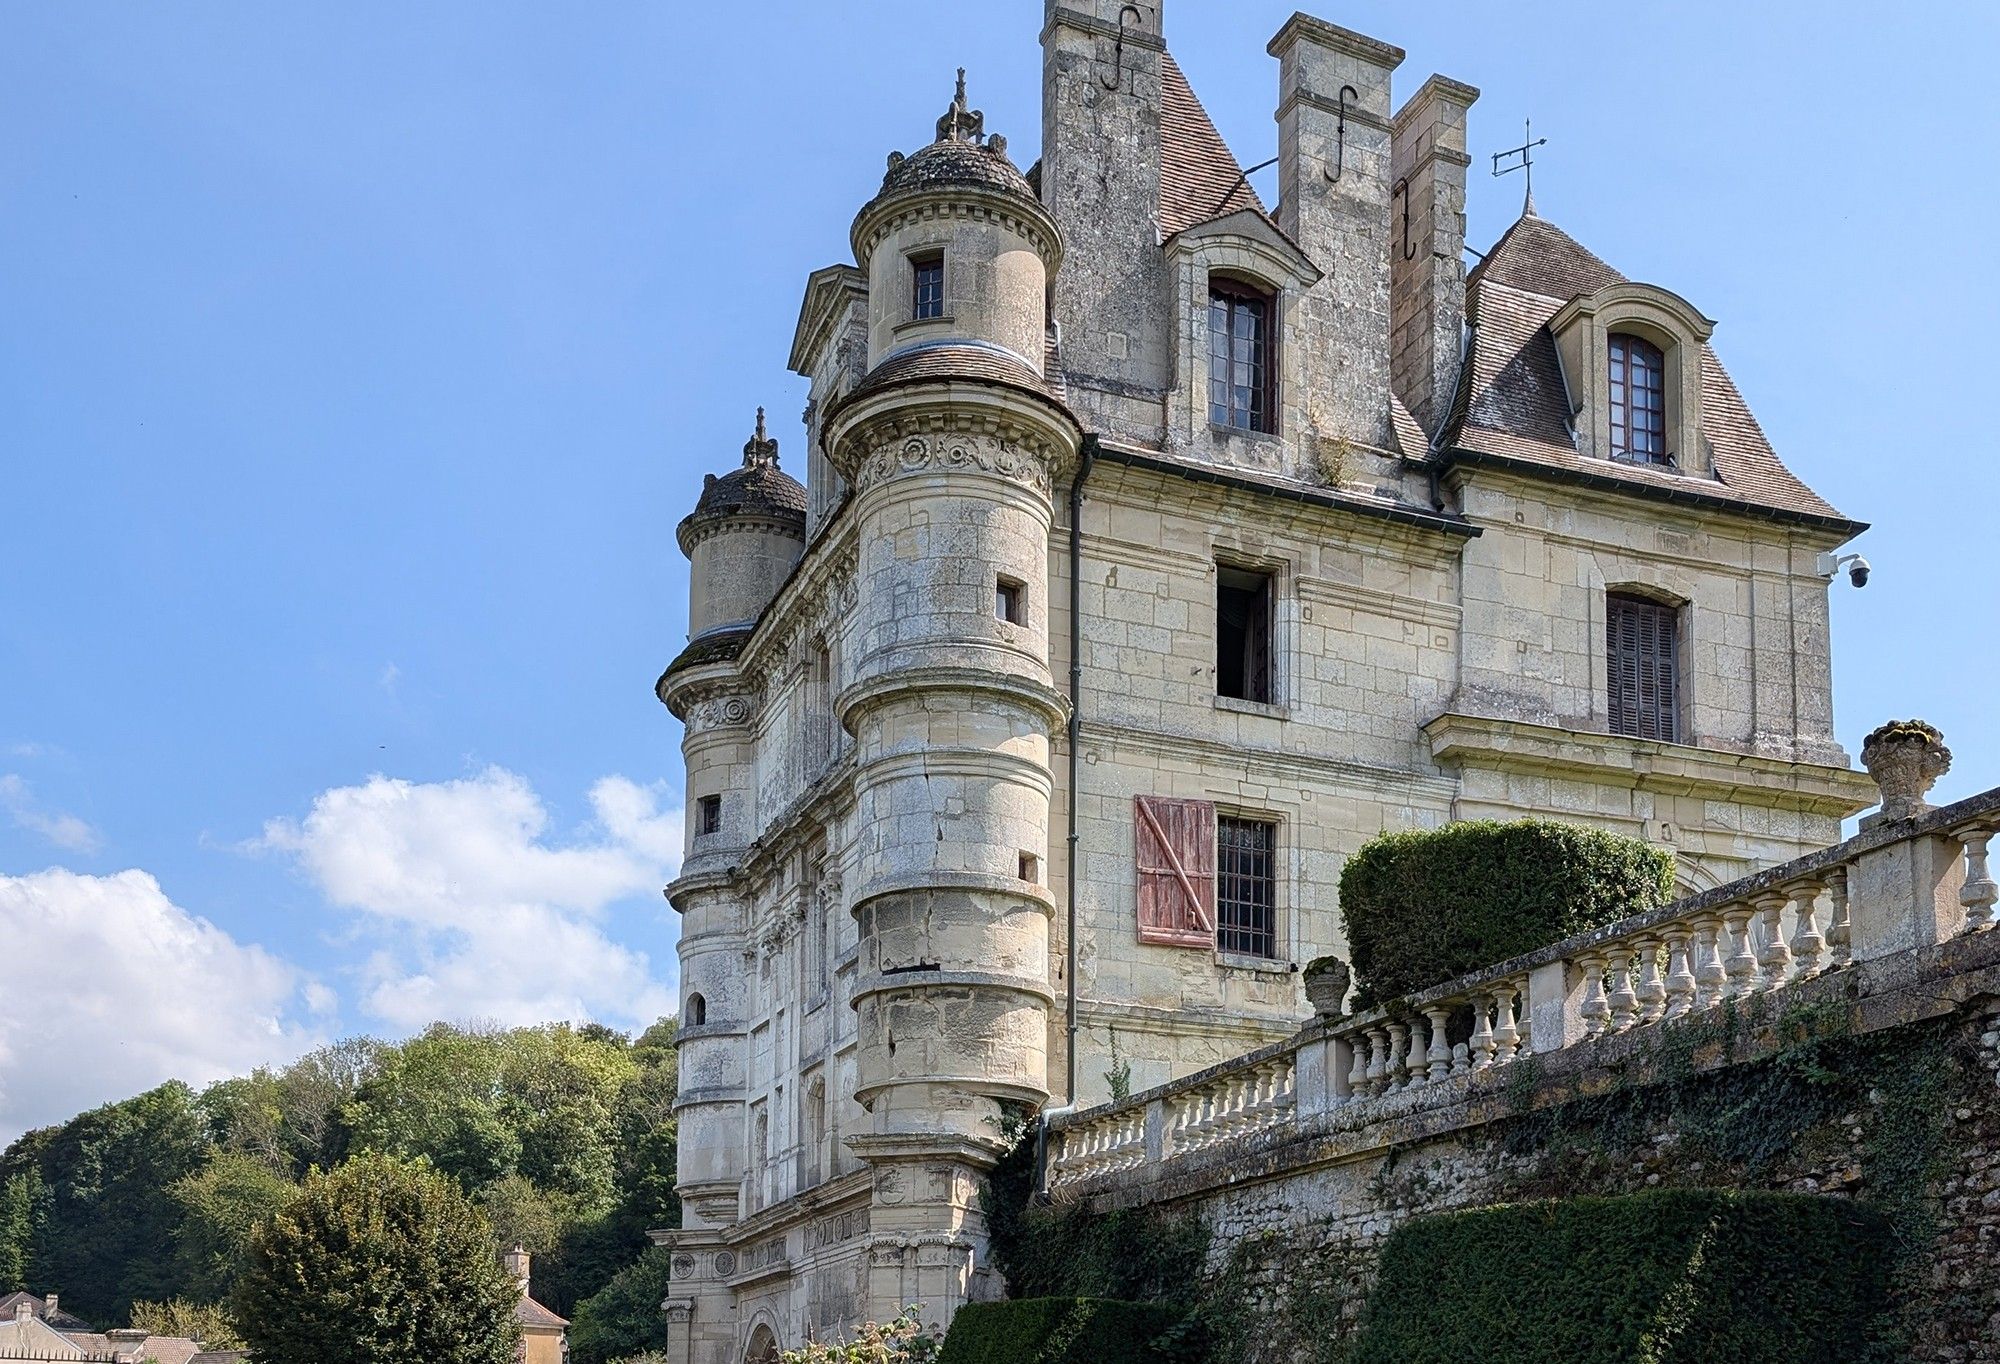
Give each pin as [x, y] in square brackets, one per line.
[1241, 376]
[927, 286]
[1638, 400]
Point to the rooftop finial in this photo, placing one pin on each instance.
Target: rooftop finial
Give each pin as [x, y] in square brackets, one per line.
[760, 449]
[1526, 165]
[959, 123]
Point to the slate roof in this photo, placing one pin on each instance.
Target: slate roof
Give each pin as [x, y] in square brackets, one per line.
[976, 361]
[1512, 406]
[983, 166]
[1200, 177]
[758, 488]
[61, 1320]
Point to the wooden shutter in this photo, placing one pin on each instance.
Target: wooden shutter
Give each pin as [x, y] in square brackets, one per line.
[1644, 669]
[1176, 870]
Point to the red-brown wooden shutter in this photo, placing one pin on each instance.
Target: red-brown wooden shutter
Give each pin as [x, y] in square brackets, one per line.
[1176, 862]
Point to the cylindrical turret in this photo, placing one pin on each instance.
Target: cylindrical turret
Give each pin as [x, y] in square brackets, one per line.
[951, 446]
[742, 539]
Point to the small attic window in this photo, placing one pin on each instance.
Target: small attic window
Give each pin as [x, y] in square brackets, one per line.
[1638, 400]
[927, 285]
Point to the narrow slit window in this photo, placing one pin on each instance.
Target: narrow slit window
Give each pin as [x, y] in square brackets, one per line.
[708, 815]
[1028, 867]
[1638, 401]
[927, 286]
[1246, 886]
[1007, 602]
[1242, 634]
[1643, 656]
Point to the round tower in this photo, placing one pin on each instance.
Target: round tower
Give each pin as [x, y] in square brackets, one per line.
[952, 444]
[742, 540]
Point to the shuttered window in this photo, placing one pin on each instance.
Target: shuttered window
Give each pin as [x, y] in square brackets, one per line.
[1644, 668]
[1246, 898]
[1176, 870]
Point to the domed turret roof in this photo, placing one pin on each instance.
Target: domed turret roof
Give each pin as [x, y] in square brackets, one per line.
[962, 156]
[758, 488]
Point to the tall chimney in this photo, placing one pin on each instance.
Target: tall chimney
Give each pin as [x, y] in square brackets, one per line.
[50, 1309]
[1100, 179]
[518, 1264]
[24, 1311]
[1427, 261]
[1333, 188]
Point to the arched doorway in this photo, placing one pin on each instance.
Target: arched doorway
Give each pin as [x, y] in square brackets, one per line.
[763, 1347]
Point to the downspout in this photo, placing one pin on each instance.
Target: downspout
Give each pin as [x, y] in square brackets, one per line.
[1088, 457]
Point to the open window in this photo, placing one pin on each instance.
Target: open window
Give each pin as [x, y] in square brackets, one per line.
[1243, 634]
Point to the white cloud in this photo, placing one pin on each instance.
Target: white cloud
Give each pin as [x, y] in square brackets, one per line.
[111, 988]
[64, 830]
[476, 911]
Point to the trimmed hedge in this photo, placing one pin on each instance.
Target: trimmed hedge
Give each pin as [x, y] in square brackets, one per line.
[1424, 906]
[1061, 1331]
[1682, 1276]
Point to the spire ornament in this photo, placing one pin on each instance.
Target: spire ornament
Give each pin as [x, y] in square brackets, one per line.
[960, 124]
[1526, 165]
[760, 451]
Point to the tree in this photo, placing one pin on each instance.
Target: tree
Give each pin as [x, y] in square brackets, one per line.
[623, 1318]
[382, 1261]
[221, 1205]
[205, 1323]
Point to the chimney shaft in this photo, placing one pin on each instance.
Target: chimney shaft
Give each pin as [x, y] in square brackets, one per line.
[1427, 267]
[50, 1300]
[24, 1311]
[519, 1264]
[1333, 187]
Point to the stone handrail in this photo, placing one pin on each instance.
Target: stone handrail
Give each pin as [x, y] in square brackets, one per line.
[1900, 884]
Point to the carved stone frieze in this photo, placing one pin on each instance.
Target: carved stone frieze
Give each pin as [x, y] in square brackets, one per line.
[955, 450]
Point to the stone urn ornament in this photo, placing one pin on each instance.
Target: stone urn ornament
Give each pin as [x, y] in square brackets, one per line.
[1905, 757]
[1327, 979]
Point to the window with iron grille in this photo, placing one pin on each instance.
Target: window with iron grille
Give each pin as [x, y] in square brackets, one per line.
[1246, 886]
[1644, 658]
[708, 816]
[927, 290]
[1241, 377]
[1638, 401]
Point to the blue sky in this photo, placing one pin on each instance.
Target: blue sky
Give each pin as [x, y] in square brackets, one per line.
[357, 360]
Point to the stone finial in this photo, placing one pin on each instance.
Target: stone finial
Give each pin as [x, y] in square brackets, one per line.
[1327, 979]
[960, 124]
[1905, 757]
[760, 451]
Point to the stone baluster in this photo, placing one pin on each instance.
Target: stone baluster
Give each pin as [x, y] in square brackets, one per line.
[1840, 929]
[1482, 1036]
[1711, 976]
[1808, 944]
[1506, 1033]
[1399, 1063]
[1742, 962]
[1357, 1073]
[1979, 891]
[1439, 1055]
[1378, 1060]
[1621, 999]
[1595, 1009]
[1461, 1059]
[1774, 958]
[1649, 990]
[1680, 984]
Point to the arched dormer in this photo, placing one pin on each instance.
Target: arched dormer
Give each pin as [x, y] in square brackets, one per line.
[1631, 360]
[1237, 279]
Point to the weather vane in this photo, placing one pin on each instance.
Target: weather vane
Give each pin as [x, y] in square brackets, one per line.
[1526, 165]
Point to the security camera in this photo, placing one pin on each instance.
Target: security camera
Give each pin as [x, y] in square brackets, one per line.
[1857, 567]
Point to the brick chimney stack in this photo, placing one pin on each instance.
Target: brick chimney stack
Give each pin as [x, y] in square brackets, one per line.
[1427, 259]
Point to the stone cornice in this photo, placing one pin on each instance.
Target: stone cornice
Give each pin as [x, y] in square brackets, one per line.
[1022, 216]
[951, 424]
[1648, 765]
[1037, 696]
[1303, 27]
[830, 291]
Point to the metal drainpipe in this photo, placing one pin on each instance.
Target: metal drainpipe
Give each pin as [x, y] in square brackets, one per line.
[1084, 463]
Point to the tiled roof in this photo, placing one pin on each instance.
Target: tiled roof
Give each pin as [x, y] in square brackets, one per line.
[980, 363]
[1512, 405]
[59, 1319]
[528, 1312]
[1199, 176]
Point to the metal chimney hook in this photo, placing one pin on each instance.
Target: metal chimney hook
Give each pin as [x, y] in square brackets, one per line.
[1402, 187]
[1347, 92]
[1118, 49]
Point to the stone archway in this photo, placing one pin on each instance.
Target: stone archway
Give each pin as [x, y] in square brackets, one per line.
[763, 1347]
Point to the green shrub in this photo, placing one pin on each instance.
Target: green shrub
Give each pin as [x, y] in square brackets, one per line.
[1665, 1277]
[1061, 1331]
[1425, 906]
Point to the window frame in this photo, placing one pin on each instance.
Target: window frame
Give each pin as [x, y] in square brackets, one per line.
[927, 268]
[1628, 357]
[708, 816]
[1260, 417]
[1635, 624]
[1267, 628]
[1233, 935]
[1010, 600]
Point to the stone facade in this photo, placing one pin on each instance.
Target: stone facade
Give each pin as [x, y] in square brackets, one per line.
[905, 783]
